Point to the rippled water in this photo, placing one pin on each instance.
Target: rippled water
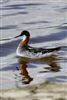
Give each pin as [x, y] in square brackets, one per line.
[46, 22]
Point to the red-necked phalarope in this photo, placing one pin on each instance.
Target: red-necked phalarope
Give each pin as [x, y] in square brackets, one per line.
[24, 50]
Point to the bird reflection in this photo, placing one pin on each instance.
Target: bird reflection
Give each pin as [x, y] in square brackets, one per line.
[26, 79]
[49, 60]
[54, 67]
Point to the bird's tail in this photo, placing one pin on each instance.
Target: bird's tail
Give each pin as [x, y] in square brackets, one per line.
[53, 49]
[58, 48]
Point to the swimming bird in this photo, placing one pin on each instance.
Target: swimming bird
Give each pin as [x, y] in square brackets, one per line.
[24, 50]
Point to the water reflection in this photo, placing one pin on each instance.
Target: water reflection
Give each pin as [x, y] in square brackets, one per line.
[26, 78]
[51, 61]
[54, 67]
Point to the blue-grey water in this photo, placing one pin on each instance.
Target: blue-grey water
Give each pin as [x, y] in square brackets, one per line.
[46, 21]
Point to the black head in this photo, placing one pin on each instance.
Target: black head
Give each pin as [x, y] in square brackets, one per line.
[25, 33]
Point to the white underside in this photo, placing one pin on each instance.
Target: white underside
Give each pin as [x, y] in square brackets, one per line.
[25, 53]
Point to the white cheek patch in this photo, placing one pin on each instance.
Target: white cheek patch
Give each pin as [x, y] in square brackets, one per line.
[23, 37]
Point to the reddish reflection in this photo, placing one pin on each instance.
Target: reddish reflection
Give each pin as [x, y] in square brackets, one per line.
[26, 79]
[50, 60]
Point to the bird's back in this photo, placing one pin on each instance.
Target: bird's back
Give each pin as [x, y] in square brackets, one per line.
[32, 52]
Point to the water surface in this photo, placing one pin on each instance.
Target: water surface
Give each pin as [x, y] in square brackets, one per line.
[46, 22]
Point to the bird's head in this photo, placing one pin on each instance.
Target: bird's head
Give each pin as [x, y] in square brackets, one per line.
[24, 33]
